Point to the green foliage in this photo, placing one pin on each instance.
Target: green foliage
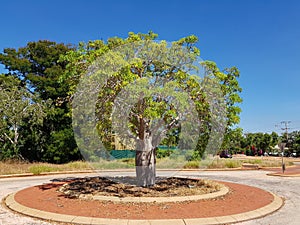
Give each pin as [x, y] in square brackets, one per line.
[248, 152]
[38, 70]
[129, 161]
[233, 139]
[162, 153]
[38, 169]
[37, 65]
[78, 165]
[192, 165]
[259, 141]
[42, 78]
[153, 107]
[232, 164]
[17, 107]
[224, 163]
[61, 148]
[293, 142]
[230, 88]
[114, 164]
[251, 143]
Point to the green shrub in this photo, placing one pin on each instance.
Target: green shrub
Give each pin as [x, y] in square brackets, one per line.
[192, 165]
[162, 153]
[129, 161]
[168, 163]
[253, 161]
[78, 165]
[248, 152]
[224, 163]
[38, 169]
[113, 164]
[232, 163]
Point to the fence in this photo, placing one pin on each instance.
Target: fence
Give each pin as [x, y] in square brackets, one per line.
[121, 154]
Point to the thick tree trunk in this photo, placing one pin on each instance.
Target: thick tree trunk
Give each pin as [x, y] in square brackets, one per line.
[145, 162]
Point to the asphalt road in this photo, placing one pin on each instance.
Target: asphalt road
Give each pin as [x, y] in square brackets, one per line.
[286, 187]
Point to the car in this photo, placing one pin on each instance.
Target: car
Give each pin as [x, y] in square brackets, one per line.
[293, 154]
[285, 154]
[225, 154]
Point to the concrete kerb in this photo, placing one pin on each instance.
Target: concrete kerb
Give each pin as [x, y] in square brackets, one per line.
[118, 170]
[223, 191]
[283, 175]
[45, 174]
[275, 205]
[132, 170]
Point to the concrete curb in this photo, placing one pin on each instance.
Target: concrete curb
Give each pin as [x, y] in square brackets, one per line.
[223, 191]
[133, 170]
[283, 175]
[117, 170]
[260, 212]
[126, 170]
[44, 174]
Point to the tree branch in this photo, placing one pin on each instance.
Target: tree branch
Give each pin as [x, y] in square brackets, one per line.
[9, 138]
[129, 134]
[173, 122]
[158, 138]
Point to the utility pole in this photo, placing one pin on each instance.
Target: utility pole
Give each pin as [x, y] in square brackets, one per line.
[286, 129]
[282, 145]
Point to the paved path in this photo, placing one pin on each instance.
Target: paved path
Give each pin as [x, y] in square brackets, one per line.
[286, 187]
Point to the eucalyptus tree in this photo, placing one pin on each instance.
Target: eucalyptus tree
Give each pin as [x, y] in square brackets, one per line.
[37, 66]
[17, 107]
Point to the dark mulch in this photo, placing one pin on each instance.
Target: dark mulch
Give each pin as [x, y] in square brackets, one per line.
[125, 187]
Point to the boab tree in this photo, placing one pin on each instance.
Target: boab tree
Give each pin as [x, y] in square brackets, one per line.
[143, 90]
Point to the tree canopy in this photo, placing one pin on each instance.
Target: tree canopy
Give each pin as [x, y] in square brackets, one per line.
[47, 74]
[18, 107]
[80, 59]
[37, 69]
[155, 75]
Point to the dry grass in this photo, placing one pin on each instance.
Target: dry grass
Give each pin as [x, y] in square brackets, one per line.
[18, 167]
[224, 163]
[12, 167]
[218, 163]
[268, 162]
[167, 163]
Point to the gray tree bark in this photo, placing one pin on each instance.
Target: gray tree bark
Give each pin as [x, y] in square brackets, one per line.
[145, 161]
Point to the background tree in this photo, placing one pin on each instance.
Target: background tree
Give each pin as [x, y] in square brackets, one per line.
[37, 66]
[17, 107]
[260, 141]
[228, 81]
[294, 143]
[274, 139]
[233, 140]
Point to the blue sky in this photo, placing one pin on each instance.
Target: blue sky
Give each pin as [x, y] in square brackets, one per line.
[261, 38]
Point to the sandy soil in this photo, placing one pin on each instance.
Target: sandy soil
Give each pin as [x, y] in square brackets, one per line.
[241, 198]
